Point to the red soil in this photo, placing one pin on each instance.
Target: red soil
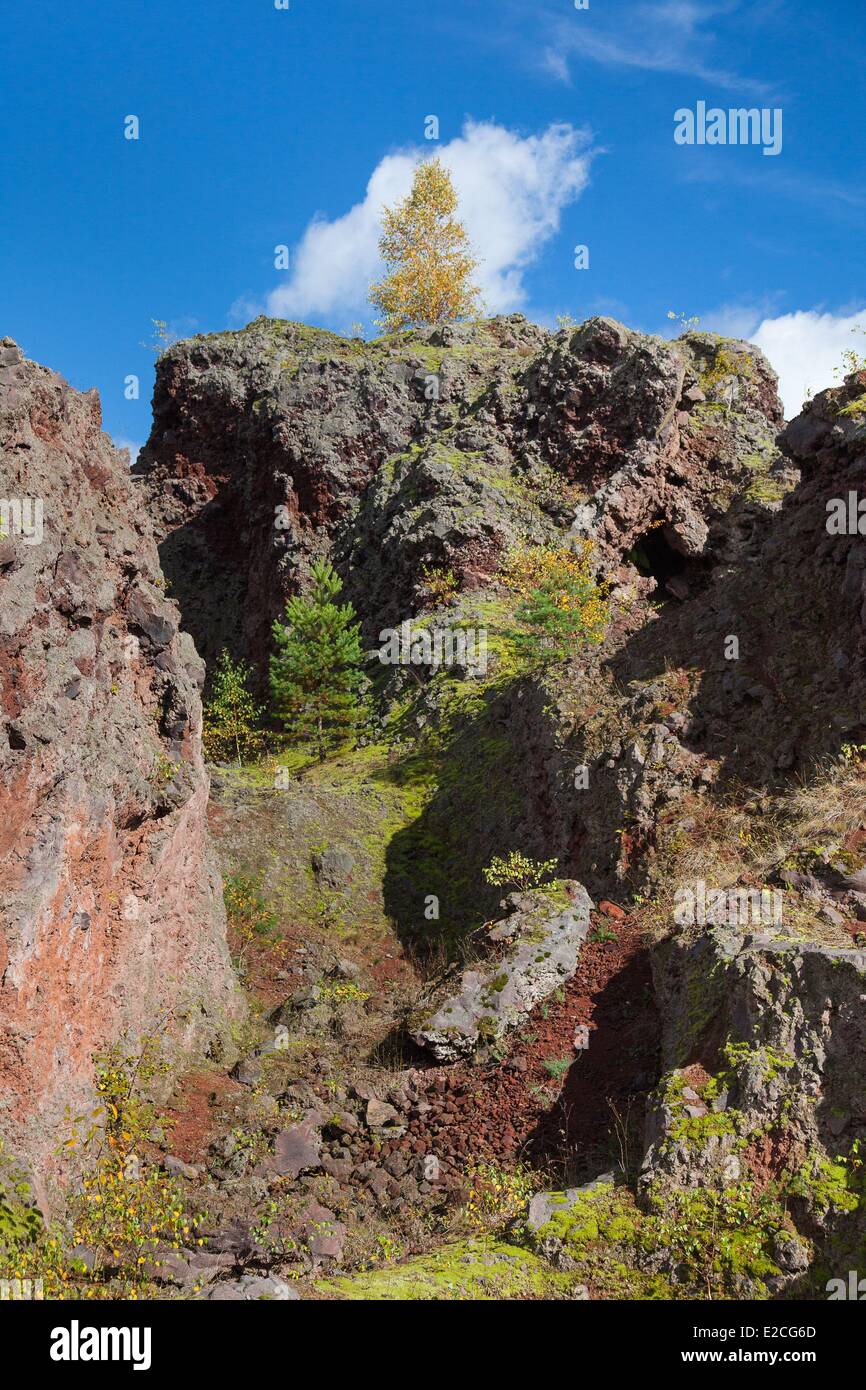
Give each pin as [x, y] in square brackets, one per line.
[194, 1117]
[518, 1109]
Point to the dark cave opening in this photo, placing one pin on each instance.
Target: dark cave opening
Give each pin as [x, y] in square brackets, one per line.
[654, 557]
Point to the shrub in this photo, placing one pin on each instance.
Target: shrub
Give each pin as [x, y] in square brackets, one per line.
[557, 1066]
[19, 1217]
[517, 871]
[562, 606]
[497, 1196]
[128, 1212]
[247, 910]
[232, 716]
[438, 585]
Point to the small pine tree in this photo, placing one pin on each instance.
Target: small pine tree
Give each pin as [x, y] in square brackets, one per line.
[231, 716]
[427, 255]
[316, 669]
[563, 608]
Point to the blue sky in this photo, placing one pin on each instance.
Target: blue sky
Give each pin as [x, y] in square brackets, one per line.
[261, 127]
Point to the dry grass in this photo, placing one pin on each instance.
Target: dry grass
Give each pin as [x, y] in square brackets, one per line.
[743, 839]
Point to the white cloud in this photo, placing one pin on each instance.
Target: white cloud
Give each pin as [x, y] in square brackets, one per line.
[554, 62]
[243, 310]
[804, 348]
[512, 191]
[675, 36]
[134, 449]
[739, 319]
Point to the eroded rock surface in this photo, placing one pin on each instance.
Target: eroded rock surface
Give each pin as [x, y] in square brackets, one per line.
[772, 1030]
[652, 756]
[112, 915]
[439, 449]
[539, 942]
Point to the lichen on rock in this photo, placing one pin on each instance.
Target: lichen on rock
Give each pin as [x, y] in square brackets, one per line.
[539, 942]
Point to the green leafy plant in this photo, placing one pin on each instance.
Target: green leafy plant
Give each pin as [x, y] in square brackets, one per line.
[852, 360]
[562, 607]
[438, 584]
[603, 933]
[718, 1236]
[127, 1213]
[161, 338]
[232, 715]
[557, 1066]
[247, 910]
[162, 772]
[388, 1248]
[342, 992]
[496, 1195]
[19, 1216]
[316, 670]
[516, 870]
[853, 363]
[687, 324]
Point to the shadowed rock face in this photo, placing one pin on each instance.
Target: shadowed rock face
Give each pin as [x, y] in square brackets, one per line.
[111, 916]
[261, 443]
[441, 448]
[827, 442]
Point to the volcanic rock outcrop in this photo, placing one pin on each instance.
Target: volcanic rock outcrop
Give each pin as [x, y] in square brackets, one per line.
[539, 943]
[436, 453]
[437, 449]
[781, 1023]
[111, 916]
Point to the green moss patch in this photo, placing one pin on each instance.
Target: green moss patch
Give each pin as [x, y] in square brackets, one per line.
[485, 1270]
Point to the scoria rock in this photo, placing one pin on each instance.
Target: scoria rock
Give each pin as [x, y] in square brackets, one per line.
[112, 917]
[440, 449]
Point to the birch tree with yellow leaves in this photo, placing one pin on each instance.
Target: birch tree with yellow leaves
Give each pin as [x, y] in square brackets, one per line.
[427, 256]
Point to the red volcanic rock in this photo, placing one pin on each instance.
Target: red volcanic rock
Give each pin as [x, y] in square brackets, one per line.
[440, 449]
[261, 441]
[111, 916]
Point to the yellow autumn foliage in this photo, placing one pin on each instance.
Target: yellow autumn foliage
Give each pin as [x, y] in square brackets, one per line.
[427, 256]
[561, 601]
[542, 566]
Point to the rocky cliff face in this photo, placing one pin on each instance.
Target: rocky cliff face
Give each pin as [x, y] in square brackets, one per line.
[438, 452]
[704, 726]
[713, 743]
[111, 914]
[735, 655]
[763, 1017]
[261, 442]
[439, 448]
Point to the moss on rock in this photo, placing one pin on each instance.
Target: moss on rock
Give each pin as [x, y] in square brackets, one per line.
[485, 1270]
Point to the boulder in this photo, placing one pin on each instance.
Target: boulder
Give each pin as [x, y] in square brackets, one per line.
[540, 939]
[251, 1287]
[380, 1113]
[297, 1150]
